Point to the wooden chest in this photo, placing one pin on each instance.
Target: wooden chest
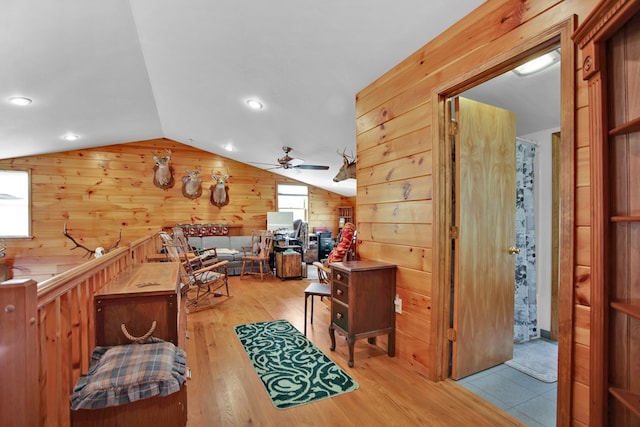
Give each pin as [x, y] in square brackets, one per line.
[288, 265]
[158, 411]
[148, 292]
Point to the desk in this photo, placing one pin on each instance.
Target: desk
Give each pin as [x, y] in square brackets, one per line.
[147, 292]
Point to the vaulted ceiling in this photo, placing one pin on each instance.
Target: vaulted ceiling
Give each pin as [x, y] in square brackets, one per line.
[126, 70]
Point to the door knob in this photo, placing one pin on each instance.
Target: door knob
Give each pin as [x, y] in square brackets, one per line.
[514, 250]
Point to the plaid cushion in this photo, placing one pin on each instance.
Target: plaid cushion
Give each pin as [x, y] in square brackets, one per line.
[127, 373]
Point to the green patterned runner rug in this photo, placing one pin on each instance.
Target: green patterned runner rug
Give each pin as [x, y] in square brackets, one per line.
[293, 370]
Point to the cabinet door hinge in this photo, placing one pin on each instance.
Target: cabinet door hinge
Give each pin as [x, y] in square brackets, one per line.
[451, 334]
[453, 232]
[453, 128]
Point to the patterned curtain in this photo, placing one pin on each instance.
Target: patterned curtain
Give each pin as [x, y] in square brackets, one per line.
[525, 314]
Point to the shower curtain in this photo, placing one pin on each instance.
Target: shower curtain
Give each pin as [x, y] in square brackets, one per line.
[525, 313]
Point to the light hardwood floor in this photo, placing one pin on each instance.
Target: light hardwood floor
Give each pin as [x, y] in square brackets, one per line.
[225, 391]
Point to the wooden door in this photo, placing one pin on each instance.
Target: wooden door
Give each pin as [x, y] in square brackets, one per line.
[484, 275]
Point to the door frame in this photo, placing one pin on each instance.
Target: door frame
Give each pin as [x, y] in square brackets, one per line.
[559, 34]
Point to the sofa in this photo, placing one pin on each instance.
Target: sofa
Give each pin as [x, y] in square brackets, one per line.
[228, 248]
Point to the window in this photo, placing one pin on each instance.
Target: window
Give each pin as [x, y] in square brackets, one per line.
[15, 203]
[294, 198]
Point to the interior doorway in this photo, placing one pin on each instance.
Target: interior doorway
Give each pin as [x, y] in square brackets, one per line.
[548, 39]
[538, 117]
[535, 99]
[540, 138]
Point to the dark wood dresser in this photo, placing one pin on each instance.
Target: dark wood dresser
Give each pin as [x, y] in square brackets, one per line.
[362, 294]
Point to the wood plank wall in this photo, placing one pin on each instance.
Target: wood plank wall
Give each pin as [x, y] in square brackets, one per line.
[98, 191]
[395, 132]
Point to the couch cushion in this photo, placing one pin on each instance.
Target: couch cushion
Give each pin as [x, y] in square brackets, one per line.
[195, 242]
[237, 242]
[215, 242]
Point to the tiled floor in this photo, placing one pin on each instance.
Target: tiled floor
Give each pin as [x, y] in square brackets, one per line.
[531, 401]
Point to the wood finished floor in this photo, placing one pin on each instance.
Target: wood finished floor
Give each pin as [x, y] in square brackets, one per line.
[225, 391]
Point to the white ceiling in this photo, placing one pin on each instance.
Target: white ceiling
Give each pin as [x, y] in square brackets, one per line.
[126, 70]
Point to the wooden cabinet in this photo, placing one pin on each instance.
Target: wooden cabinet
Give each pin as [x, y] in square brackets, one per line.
[148, 293]
[288, 265]
[362, 294]
[610, 43]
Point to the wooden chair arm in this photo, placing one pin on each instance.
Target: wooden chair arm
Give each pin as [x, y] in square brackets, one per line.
[212, 267]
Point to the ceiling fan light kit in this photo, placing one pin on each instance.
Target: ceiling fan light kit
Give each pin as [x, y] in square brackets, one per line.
[288, 162]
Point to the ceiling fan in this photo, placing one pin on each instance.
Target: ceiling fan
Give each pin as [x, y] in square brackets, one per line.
[288, 162]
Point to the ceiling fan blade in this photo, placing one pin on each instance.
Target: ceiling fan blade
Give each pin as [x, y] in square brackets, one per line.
[312, 167]
[268, 164]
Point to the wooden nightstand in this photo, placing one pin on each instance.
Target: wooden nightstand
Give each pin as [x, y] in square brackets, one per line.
[362, 294]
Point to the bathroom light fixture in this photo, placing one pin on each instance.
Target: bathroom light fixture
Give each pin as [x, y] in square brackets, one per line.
[20, 100]
[254, 104]
[71, 137]
[538, 64]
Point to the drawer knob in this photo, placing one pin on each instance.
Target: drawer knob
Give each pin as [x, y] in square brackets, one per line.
[339, 292]
[339, 316]
[339, 276]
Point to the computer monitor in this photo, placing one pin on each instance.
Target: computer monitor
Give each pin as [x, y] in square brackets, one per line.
[280, 222]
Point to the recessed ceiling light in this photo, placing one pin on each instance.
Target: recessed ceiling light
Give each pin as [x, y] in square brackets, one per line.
[538, 64]
[254, 104]
[228, 147]
[71, 137]
[20, 100]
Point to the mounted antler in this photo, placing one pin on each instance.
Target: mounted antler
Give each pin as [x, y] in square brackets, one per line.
[192, 184]
[5, 271]
[97, 252]
[163, 171]
[348, 169]
[219, 191]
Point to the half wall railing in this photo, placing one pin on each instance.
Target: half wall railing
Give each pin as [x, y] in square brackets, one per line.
[47, 335]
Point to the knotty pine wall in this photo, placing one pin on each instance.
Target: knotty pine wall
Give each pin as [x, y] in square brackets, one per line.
[100, 190]
[396, 167]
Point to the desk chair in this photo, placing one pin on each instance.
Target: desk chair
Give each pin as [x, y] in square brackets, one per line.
[314, 289]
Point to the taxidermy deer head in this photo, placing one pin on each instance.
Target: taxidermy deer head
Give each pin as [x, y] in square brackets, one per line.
[219, 196]
[97, 252]
[5, 271]
[192, 184]
[348, 169]
[163, 171]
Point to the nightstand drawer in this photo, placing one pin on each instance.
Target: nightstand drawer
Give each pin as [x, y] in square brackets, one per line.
[340, 315]
[340, 277]
[340, 292]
